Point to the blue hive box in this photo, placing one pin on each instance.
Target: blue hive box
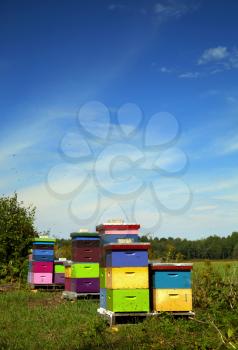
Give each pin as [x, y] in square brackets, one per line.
[171, 279]
[127, 258]
[115, 238]
[42, 252]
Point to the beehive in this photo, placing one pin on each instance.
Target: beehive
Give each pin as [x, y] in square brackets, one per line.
[171, 287]
[124, 277]
[82, 276]
[41, 266]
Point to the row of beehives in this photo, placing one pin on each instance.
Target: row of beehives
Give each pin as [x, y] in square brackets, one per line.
[128, 283]
[43, 269]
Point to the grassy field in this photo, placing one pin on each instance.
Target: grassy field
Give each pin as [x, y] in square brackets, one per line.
[44, 321]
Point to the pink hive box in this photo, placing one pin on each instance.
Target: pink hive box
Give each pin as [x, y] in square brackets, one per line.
[41, 278]
[119, 232]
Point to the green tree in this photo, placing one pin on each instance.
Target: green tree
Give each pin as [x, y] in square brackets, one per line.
[16, 234]
[235, 252]
[63, 248]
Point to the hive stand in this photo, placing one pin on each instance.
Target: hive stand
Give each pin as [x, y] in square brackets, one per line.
[47, 287]
[114, 318]
[74, 296]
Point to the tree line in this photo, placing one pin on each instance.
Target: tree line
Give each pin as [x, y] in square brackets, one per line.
[212, 247]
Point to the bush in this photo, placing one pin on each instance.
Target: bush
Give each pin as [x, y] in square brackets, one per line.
[16, 234]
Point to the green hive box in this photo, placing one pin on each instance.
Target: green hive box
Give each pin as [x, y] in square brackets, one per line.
[44, 239]
[128, 300]
[82, 270]
[59, 268]
[84, 234]
[103, 277]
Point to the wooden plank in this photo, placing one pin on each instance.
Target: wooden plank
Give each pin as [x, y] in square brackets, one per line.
[115, 317]
[47, 287]
[74, 296]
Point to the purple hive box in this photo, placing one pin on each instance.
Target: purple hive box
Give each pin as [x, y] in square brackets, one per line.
[59, 278]
[85, 285]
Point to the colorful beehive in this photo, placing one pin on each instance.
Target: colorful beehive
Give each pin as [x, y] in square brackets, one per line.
[83, 276]
[124, 277]
[171, 287]
[113, 232]
[59, 272]
[41, 261]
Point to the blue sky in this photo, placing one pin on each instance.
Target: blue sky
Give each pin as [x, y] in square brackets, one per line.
[121, 109]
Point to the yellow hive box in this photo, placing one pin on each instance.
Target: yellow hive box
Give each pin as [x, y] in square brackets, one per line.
[127, 277]
[67, 272]
[172, 299]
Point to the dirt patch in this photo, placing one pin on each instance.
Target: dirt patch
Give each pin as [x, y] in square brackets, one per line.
[52, 301]
[7, 288]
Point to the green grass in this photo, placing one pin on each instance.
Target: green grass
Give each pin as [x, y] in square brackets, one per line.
[43, 320]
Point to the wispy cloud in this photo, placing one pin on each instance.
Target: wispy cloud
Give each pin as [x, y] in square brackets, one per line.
[227, 145]
[114, 7]
[213, 54]
[165, 70]
[229, 197]
[212, 61]
[172, 9]
[205, 207]
[220, 57]
[189, 75]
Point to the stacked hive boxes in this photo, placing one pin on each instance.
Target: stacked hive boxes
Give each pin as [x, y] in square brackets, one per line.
[171, 287]
[84, 274]
[59, 272]
[41, 265]
[124, 277]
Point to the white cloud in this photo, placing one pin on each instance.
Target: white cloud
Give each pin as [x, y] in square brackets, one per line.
[226, 146]
[220, 56]
[51, 213]
[228, 197]
[171, 9]
[205, 207]
[213, 54]
[217, 186]
[165, 70]
[189, 75]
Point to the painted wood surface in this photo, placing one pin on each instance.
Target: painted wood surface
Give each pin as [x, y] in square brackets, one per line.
[172, 299]
[127, 278]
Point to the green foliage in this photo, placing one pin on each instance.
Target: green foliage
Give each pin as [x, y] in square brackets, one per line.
[16, 233]
[63, 248]
[215, 285]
